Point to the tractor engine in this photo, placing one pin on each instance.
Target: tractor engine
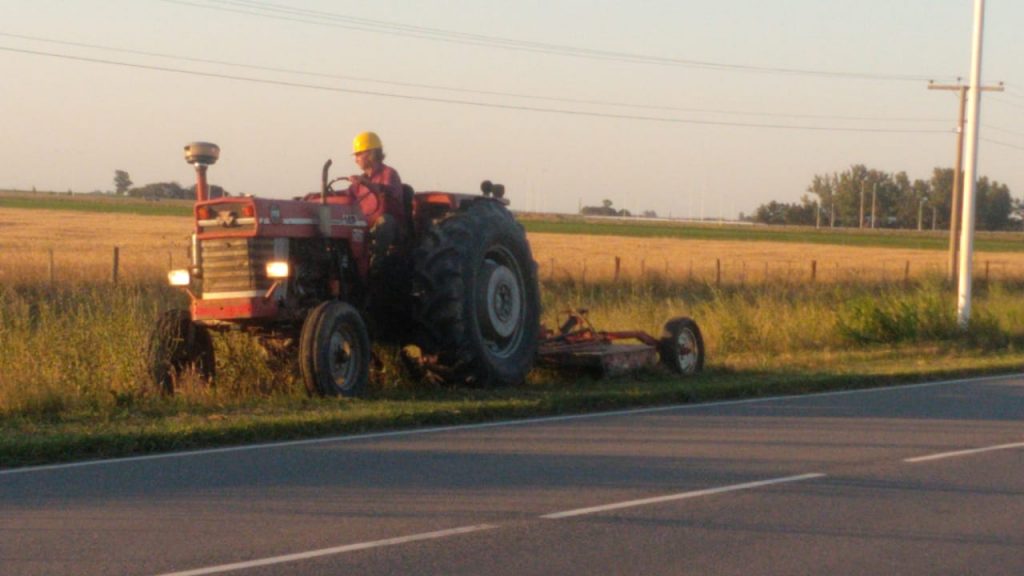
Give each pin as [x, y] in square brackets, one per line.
[268, 260]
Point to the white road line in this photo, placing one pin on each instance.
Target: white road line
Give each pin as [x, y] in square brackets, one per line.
[942, 455]
[498, 424]
[680, 496]
[332, 551]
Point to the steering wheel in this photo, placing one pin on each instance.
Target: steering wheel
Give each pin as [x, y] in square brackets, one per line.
[330, 185]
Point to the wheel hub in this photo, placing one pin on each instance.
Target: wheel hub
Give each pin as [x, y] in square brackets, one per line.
[502, 303]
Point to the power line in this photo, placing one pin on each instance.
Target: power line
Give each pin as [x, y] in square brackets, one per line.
[462, 90]
[1004, 130]
[1006, 144]
[1007, 103]
[465, 102]
[336, 20]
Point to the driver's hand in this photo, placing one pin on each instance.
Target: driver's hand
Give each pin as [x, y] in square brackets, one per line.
[358, 179]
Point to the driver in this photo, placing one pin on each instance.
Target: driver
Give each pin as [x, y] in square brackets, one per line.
[379, 190]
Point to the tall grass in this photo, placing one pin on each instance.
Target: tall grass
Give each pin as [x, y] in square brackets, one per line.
[81, 349]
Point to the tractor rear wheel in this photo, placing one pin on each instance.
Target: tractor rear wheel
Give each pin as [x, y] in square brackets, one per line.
[476, 297]
[681, 348]
[334, 351]
[175, 345]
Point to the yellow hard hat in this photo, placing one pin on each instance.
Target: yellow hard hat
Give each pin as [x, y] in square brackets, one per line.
[366, 141]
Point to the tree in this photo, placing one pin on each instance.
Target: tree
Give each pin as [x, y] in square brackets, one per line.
[994, 205]
[122, 182]
[802, 214]
[160, 190]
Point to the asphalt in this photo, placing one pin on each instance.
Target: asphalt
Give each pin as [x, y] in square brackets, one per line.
[823, 484]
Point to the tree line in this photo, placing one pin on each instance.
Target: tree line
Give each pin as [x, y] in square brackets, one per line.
[124, 186]
[841, 199]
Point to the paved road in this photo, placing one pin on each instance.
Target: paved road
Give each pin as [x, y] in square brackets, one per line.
[915, 480]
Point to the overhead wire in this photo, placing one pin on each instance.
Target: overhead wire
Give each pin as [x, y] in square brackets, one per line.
[479, 104]
[1000, 143]
[332, 19]
[462, 90]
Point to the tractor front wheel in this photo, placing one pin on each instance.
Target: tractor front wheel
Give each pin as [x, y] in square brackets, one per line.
[177, 344]
[681, 348]
[334, 351]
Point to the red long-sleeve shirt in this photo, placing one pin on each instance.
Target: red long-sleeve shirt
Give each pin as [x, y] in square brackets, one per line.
[388, 201]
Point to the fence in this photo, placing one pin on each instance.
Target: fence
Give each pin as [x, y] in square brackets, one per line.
[722, 271]
[117, 264]
[114, 265]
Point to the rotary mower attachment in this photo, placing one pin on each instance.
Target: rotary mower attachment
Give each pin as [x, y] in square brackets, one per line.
[578, 345]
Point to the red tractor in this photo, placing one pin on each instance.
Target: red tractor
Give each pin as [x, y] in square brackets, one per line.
[462, 285]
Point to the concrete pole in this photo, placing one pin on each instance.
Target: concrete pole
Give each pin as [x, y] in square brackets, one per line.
[970, 173]
[874, 203]
[862, 183]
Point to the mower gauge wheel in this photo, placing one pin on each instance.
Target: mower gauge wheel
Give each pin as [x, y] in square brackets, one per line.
[681, 348]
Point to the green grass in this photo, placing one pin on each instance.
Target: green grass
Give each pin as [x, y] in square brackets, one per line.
[72, 373]
[100, 204]
[910, 239]
[887, 238]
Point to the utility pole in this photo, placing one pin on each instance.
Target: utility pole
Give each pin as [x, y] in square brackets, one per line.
[862, 183]
[874, 197]
[920, 213]
[954, 210]
[963, 308]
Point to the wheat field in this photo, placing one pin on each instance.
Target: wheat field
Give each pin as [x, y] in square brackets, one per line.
[82, 247]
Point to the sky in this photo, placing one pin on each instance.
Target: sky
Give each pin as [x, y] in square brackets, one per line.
[691, 109]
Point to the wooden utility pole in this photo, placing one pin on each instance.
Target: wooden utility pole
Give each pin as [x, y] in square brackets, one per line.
[954, 209]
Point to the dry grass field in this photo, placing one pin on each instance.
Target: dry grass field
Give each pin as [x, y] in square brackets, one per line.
[82, 245]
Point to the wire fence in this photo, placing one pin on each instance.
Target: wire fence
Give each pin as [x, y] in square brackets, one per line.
[117, 264]
[732, 271]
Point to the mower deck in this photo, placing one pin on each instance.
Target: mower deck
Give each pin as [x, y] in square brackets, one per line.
[604, 357]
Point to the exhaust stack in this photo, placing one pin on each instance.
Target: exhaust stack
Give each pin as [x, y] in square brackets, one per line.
[201, 155]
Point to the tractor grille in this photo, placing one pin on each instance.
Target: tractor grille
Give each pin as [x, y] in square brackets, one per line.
[235, 264]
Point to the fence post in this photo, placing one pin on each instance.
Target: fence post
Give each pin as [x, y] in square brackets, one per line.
[986, 271]
[906, 272]
[643, 268]
[50, 272]
[117, 257]
[814, 270]
[718, 272]
[618, 264]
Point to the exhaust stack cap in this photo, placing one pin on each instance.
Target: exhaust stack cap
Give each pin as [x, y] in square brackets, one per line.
[204, 153]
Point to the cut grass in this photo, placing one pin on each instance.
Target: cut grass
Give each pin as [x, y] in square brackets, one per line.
[106, 205]
[907, 239]
[577, 225]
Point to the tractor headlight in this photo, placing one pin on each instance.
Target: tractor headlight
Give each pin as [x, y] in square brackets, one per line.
[179, 278]
[277, 269]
